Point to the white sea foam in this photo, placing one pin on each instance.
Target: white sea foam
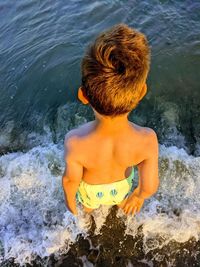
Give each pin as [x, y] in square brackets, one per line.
[173, 213]
[34, 219]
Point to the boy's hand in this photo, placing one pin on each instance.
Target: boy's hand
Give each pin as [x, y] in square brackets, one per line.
[73, 211]
[71, 207]
[132, 204]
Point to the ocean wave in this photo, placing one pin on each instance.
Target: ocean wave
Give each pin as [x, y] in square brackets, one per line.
[34, 220]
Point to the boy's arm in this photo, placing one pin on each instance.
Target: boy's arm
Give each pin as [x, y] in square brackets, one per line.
[148, 169]
[148, 178]
[72, 174]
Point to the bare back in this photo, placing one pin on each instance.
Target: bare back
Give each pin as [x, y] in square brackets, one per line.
[107, 159]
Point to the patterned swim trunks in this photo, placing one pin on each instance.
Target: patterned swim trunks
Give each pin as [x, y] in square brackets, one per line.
[94, 195]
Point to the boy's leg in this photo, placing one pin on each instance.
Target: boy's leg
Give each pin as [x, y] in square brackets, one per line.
[87, 209]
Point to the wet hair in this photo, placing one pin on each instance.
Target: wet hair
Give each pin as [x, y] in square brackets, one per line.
[113, 68]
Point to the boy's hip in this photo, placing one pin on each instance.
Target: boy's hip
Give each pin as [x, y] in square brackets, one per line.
[92, 196]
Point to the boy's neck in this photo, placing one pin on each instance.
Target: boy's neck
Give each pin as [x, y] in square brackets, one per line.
[106, 124]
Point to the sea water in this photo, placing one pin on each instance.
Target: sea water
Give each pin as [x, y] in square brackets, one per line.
[34, 219]
[41, 45]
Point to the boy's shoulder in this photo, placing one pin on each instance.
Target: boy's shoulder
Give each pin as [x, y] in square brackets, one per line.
[145, 137]
[77, 132]
[71, 139]
[70, 136]
[149, 137]
[144, 130]
[147, 132]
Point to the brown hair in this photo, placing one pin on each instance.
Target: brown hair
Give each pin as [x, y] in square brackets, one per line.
[113, 69]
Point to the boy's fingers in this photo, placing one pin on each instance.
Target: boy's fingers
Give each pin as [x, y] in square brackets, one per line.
[126, 208]
[129, 209]
[139, 207]
[134, 211]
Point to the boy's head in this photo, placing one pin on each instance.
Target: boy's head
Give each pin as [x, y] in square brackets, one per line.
[114, 71]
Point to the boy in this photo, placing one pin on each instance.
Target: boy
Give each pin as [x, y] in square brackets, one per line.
[100, 154]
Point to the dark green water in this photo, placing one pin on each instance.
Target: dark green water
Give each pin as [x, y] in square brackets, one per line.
[41, 46]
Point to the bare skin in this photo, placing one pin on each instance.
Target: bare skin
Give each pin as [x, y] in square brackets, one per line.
[104, 151]
[108, 157]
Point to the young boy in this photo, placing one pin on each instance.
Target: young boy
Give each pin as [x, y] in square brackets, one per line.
[100, 154]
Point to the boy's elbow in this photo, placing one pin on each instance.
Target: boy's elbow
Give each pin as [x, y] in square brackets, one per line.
[65, 180]
[68, 183]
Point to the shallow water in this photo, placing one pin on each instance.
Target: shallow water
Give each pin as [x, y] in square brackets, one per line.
[34, 219]
[41, 45]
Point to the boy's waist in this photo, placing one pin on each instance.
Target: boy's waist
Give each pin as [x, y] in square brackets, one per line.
[128, 179]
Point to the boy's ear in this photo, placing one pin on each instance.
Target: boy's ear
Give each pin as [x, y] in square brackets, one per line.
[81, 96]
[143, 91]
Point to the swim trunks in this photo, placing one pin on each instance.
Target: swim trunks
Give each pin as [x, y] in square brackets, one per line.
[94, 195]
